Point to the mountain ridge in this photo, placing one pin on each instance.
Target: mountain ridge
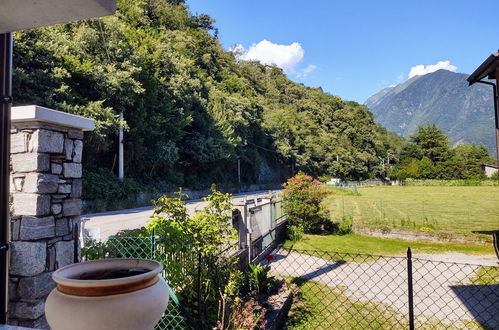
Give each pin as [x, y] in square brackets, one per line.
[465, 113]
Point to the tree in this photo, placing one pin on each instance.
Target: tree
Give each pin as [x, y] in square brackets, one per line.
[191, 109]
[426, 169]
[433, 142]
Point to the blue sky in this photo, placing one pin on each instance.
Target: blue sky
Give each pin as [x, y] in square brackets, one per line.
[355, 48]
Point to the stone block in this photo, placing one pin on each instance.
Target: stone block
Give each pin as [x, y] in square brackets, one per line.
[71, 207]
[18, 143]
[15, 225]
[33, 228]
[30, 310]
[41, 183]
[73, 134]
[56, 168]
[68, 149]
[43, 140]
[40, 323]
[30, 162]
[64, 253]
[56, 208]
[58, 197]
[12, 289]
[72, 170]
[31, 204]
[78, 151]
[64, 189]
[76, 189]
[62, 227]
[35, 286]
[28, 258]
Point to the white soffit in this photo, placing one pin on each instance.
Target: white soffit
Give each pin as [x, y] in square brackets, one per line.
[35, 113]
[18, 15]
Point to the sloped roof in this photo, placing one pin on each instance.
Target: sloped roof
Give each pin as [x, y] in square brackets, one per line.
[486, 69]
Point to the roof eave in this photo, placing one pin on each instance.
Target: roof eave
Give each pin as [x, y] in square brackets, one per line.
[485, 69]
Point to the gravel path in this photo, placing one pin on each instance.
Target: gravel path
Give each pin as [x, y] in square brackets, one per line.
[442, 291]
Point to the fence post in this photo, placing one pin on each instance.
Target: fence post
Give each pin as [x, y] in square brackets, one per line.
[410, 289]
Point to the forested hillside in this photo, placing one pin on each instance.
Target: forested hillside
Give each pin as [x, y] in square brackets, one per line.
[190, 108]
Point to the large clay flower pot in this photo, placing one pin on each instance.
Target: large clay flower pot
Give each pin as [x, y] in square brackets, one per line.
[124, 294]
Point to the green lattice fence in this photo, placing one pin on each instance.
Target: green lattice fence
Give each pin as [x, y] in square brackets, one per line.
[140, 247]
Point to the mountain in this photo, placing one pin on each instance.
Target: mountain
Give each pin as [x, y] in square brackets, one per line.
[443, 98]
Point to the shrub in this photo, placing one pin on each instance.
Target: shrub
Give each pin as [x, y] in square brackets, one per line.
[345, 227]
[105, 185]
[260, 280]
[302, 197]
[196, 252]
[295, 232]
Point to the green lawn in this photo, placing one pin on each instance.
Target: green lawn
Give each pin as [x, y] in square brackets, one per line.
[451, 208]
[353, 243]
[318, 306]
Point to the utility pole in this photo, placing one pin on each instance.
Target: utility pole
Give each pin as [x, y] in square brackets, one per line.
[121, 166]
[239, 173]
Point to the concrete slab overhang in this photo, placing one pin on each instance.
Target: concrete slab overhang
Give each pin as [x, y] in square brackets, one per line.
[35, 113]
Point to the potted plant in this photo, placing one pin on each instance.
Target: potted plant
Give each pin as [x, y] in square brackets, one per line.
[107, 294]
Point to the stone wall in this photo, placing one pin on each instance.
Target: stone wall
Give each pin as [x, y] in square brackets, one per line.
[45, 213]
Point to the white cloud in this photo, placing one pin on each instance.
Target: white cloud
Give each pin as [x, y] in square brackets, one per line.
[304, 73]
[421, 69]
[286, 57]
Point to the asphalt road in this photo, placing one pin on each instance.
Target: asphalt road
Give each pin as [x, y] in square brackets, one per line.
[109, 223]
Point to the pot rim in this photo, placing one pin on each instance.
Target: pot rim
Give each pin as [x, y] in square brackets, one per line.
[63, 275]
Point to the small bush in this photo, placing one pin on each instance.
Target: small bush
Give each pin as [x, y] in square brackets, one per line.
[302, 197]
[260, 280]
[105, 185]
[295, 232]
[345, 226]
[324, 178]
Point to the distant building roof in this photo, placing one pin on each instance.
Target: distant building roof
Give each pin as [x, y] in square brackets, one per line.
[487, 165]
[486, 69]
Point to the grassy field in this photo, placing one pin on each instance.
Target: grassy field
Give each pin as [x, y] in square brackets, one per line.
[452, 208]
[353, 243]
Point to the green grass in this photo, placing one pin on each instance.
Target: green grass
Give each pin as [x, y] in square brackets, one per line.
[486, 275]
[317, 306]
[457, 209]
[353, 243]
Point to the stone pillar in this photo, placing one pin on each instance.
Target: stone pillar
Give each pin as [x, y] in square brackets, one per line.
[46, 153]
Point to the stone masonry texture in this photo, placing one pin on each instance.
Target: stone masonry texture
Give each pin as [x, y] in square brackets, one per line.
[45, 206]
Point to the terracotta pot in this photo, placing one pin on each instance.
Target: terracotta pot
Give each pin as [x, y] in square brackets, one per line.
[124, 294]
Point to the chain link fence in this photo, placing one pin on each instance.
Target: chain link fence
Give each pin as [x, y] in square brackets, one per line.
[175, 317]
[355, 291]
